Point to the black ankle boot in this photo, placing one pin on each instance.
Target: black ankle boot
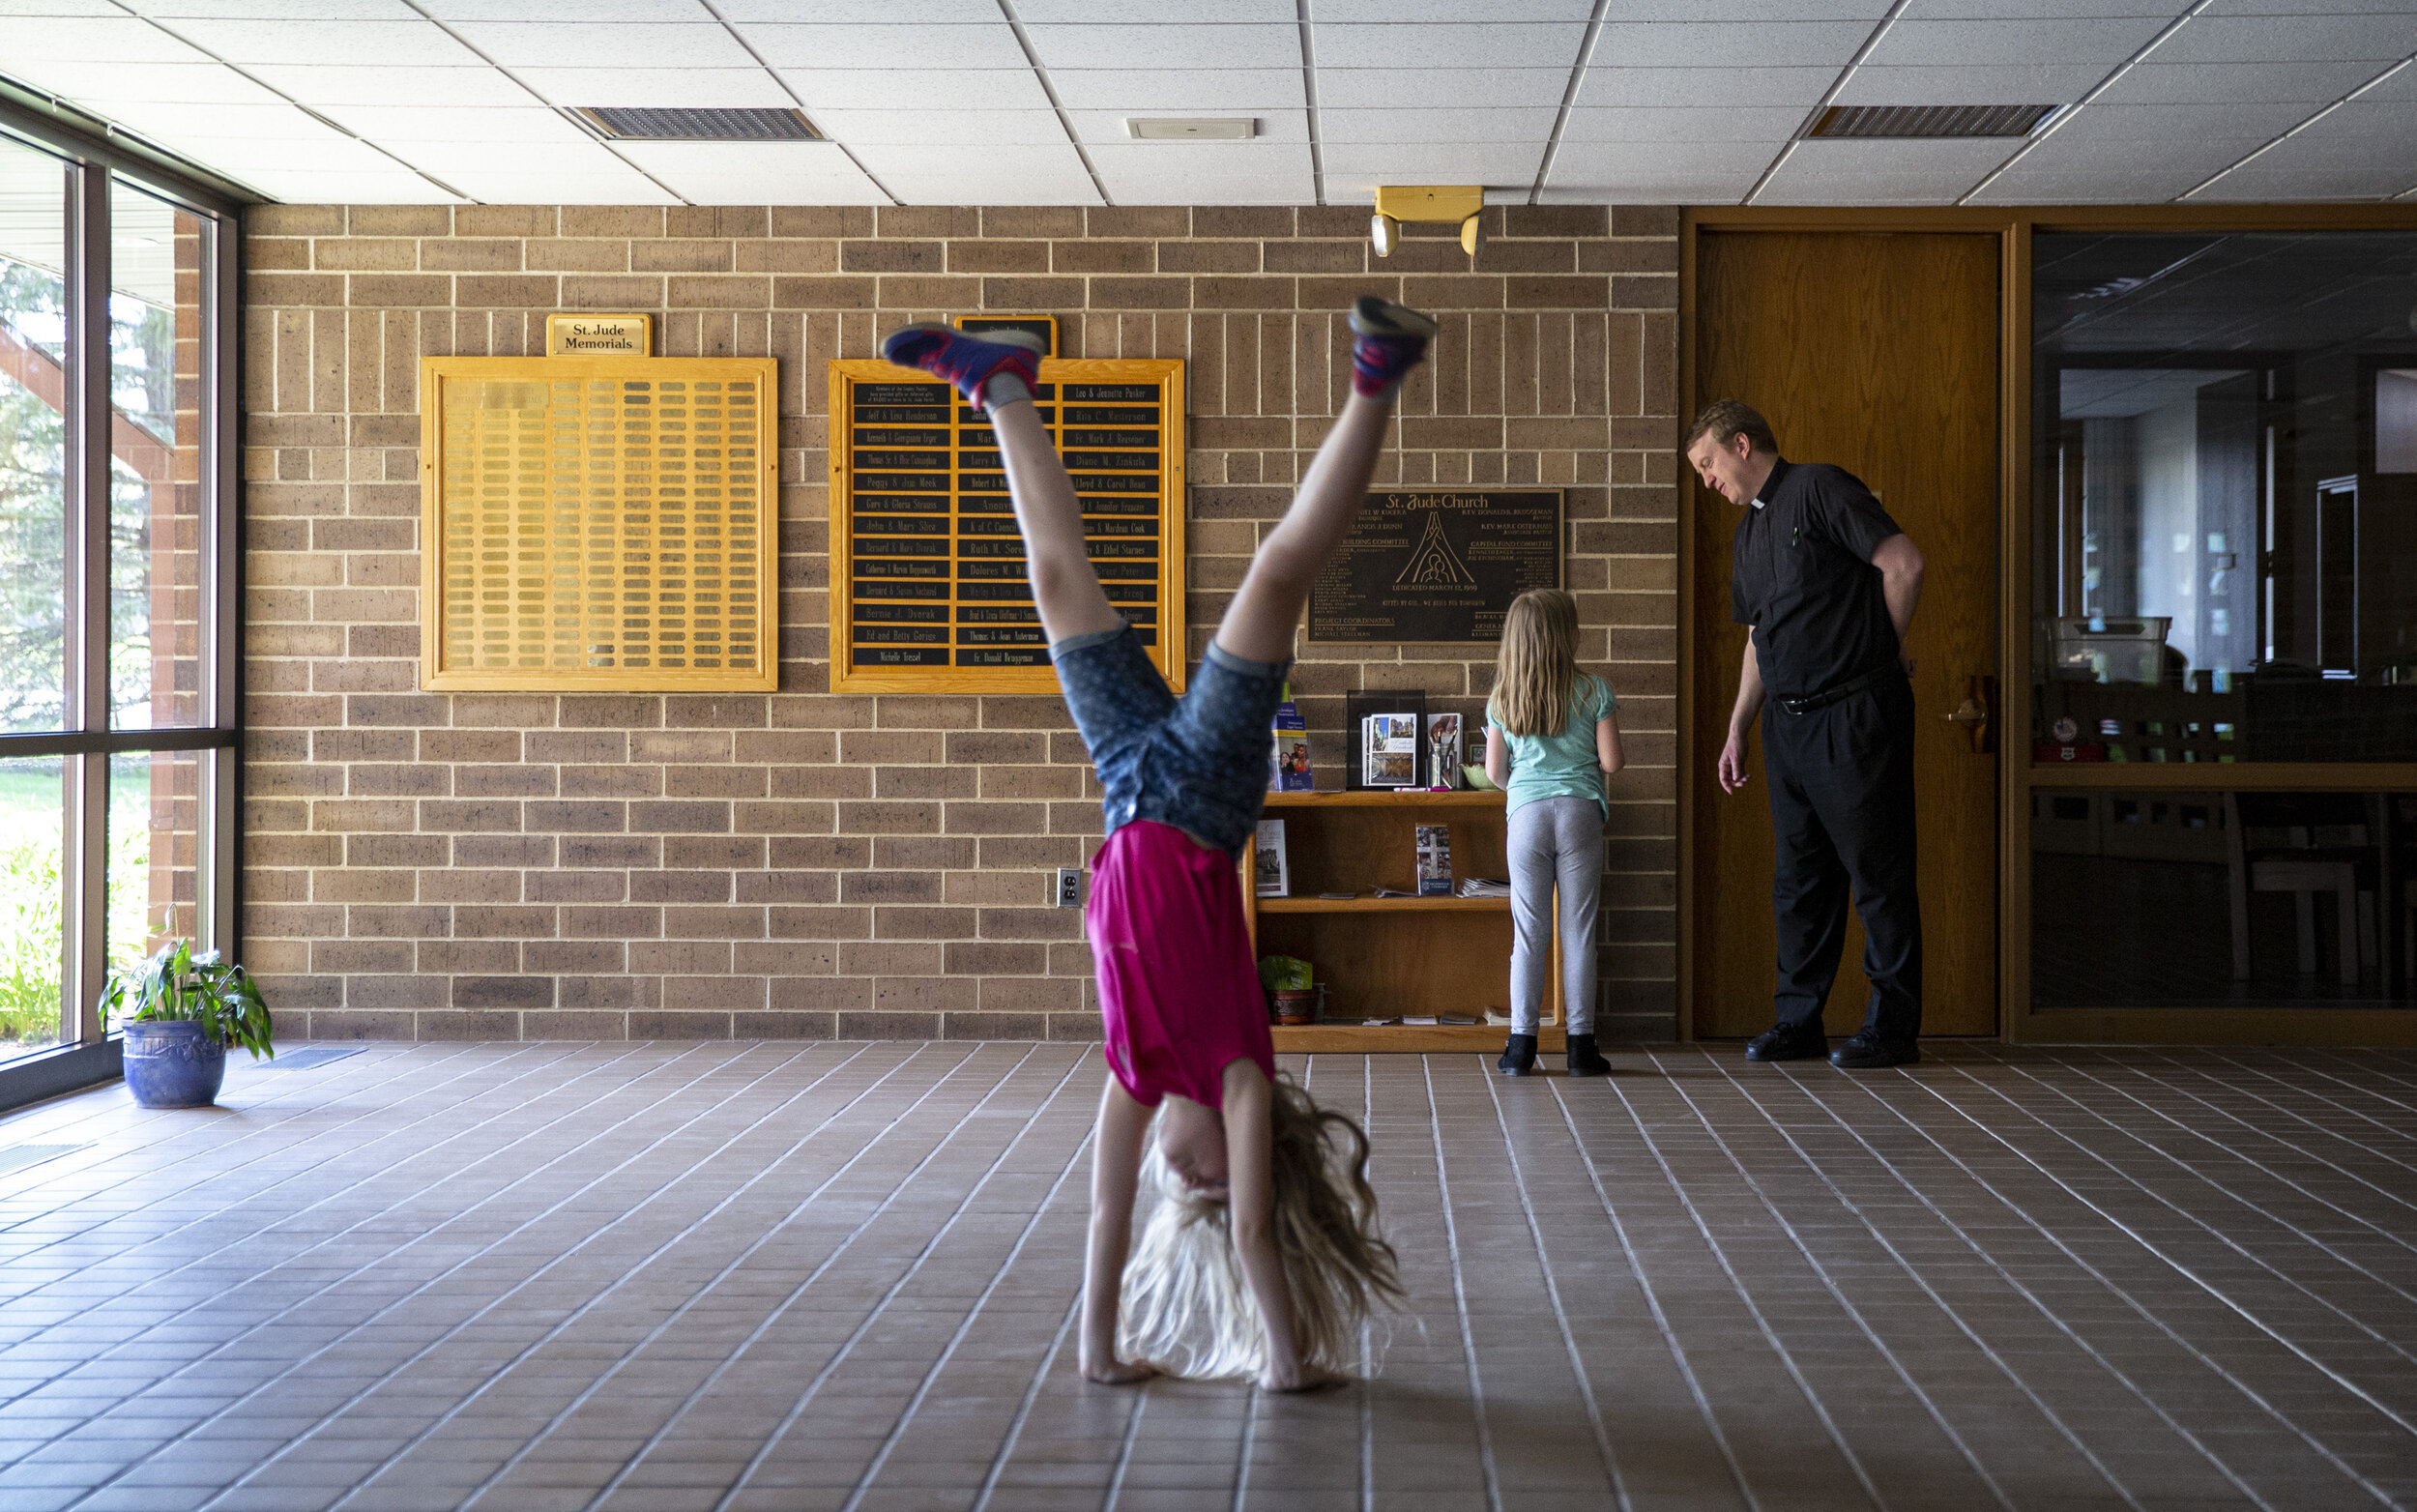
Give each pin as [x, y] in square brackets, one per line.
[1584, 1061]
[1519, 1057]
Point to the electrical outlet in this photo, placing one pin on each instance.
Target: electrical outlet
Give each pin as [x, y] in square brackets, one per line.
[1069, 887]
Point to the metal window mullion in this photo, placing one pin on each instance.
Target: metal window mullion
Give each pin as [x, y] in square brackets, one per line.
[85, 631]
[221, 771]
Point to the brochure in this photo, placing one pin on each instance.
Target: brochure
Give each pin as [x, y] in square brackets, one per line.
[1443, 750]
[1288, 756]
[1434, 861]
[1272, 871]
[1389, 750]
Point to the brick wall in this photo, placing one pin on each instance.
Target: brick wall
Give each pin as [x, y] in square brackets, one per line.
[528, 865]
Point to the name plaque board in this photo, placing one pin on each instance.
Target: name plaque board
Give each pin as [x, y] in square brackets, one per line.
[600, 336]
[1437, 565]
[928, 592]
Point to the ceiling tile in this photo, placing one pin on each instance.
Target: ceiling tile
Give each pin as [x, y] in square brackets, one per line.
[445, 159]
[1948, 84]
[1684, 124]
[400, 43]
[667, 12]
[875, 89]
[400, 186]
[1881, 172]
[1720, 47]
[1608, 87]
[1180, 90]
[1299, 189]
[2254, 184]
[1351, 89]
[1633, 173]
[1710, 11]
[894, 12]
[2180, 123]
[1040, 12]
[755, 173]
[2191, 159]
[325, 153]
[496, 123]
[1433, 162]
[28, 42]
[105, 9]
[2281, 39]
[605, 44]
[1328, 12]
[375, 85]
[1504, 45]
[733, 88]
[2179, 83]
[275, 10]
[939, 127]
[2110, 186]
[163, 119]
[2105, 42]
[508, 185]
[170, 84]
[910, 51]
[998, 175]
[1272, 125]
[1167, 45]
[2306, 8]
[1465, 124]
[2039, 10]
[1165, 173]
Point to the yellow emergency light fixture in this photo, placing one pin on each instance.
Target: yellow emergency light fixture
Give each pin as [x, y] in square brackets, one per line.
[1426, 202]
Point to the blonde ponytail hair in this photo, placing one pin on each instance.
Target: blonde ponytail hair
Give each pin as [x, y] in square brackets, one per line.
[1186, 1306]
[1536, 675]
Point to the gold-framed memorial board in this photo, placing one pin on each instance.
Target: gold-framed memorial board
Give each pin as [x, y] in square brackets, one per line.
[594, 523]
[927, 586]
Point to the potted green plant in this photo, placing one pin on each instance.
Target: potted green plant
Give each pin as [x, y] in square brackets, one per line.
[179, 1011]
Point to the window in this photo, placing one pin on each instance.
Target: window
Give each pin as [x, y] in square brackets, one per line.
[2226, 465]
[117, 655]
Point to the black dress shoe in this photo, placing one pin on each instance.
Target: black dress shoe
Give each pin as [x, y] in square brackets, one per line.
[1868, 1052]
[1583, 1059]
[1519, 1057]
[1789, 1042]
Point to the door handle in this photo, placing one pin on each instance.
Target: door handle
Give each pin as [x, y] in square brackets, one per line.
[1977, 713]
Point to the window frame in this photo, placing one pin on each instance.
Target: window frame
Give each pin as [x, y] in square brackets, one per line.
[91, 164]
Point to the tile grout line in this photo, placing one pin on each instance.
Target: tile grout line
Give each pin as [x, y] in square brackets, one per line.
[1612, 1480]
[1829, 1283]
[1460, 1297]
[496, 1373]
[329, 1417]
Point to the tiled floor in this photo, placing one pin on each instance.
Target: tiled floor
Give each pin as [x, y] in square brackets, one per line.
[781, 1276]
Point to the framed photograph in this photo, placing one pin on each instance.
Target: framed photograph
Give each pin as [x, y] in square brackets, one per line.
[1271, 870]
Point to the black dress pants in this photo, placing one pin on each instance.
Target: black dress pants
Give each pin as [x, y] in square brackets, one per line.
[1842, 813]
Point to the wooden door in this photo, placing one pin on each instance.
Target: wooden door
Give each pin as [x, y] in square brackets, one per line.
[1877, 353]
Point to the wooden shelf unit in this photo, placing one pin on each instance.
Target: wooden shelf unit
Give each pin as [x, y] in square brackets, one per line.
[1389, 957]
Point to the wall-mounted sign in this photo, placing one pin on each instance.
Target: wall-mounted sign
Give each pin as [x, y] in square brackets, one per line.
[598, 522]
[927, 579]
[1437, 565]
[1045, 327]
[600, 336]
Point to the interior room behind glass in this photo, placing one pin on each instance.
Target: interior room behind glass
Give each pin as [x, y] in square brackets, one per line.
[2226, 497]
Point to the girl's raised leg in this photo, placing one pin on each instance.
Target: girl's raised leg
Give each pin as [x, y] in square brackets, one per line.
[1259, 624]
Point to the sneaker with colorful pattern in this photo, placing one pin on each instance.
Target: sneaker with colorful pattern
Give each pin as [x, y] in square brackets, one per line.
[1392, 341]
[970, 363]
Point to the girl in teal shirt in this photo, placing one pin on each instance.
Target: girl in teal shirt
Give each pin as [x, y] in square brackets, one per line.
[1550, 740]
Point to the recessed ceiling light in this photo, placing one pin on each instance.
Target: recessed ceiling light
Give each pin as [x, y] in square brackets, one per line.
[1192, 129]
[1931, 121]
[657, 124]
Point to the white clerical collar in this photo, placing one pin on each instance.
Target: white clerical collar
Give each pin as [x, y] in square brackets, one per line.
[1757, 503]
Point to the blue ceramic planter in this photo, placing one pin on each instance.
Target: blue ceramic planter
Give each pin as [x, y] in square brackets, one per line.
[173, 1064]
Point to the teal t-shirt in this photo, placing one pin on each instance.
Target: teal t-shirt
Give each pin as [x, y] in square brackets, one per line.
[1564, 765]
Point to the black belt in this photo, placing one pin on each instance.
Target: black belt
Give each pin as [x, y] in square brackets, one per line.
[1834, 692]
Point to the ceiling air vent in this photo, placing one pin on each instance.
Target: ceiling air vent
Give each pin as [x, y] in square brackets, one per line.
[1904, 121]
[655, 124]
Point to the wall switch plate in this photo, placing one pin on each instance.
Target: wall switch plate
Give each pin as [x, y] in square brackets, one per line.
[1069, 887]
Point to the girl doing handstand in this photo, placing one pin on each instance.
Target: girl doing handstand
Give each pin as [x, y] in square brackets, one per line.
[1262, 1256]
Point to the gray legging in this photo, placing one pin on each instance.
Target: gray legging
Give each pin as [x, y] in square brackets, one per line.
[1554, 841]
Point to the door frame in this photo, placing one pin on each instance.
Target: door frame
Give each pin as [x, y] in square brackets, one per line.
[2017, 1021]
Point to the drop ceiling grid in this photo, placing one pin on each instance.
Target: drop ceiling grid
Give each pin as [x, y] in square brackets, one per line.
[937, 100]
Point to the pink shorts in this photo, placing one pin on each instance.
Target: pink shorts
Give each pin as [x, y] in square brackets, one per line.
[1178, 987]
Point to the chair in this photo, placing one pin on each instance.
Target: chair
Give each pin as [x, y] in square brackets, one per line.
[2303, 867]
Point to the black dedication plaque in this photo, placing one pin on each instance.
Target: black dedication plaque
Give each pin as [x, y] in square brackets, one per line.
[928, 585]
[1437, 565]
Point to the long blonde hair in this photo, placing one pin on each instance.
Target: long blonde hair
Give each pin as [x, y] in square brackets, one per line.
[1535, 676]
[1186, 1306]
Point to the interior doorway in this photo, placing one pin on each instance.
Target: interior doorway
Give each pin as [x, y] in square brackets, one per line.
[1879, 352]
